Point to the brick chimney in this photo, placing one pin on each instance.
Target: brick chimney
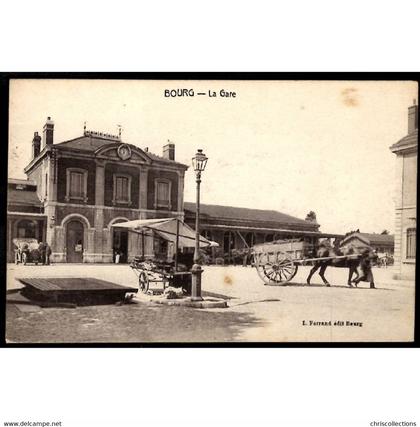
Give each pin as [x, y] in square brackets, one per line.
[169, 151]
[48, 138]
[413, 117]
[36, 145]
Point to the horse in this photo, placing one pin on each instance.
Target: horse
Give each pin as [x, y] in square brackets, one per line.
[325, 250]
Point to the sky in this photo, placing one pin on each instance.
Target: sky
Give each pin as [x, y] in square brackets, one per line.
[291, 146]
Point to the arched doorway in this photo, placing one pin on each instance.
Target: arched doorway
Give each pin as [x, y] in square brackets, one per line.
[74, 241]
[120, 242]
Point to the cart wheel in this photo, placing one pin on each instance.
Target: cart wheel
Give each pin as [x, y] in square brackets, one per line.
[277, 268]
[143, 282]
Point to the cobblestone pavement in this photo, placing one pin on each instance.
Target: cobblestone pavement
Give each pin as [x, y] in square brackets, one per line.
[256, 312]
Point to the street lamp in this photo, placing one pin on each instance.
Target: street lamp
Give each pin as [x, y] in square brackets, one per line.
[199, 162]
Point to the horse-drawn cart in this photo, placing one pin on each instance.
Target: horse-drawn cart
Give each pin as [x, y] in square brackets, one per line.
[27, 251]
[278, 262]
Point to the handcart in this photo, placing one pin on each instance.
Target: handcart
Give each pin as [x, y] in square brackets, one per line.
[151, 270]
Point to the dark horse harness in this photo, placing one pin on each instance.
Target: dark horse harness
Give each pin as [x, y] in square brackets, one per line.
[328, 252]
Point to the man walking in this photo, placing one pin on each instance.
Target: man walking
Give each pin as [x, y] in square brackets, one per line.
[368, 256]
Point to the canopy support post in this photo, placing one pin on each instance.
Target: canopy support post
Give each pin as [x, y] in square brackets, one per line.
[142, 244]
[242, 238]
[176, 244]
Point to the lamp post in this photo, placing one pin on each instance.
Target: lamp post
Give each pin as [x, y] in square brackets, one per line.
[199, 162]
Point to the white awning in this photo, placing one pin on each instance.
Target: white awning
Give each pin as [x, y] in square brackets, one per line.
[167, 228]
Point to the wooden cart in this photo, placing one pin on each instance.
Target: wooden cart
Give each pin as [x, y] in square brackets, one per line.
[176, 233]
[278, 262]
[152, 272]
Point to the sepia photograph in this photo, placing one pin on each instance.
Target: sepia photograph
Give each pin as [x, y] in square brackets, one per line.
[149, 211]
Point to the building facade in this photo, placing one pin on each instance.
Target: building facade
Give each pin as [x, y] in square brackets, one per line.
[406, 199]
[77, 189]
[237, 229]
[25, 216]
[83, 186]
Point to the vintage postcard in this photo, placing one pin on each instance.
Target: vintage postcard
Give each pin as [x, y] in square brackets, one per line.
[211, 211]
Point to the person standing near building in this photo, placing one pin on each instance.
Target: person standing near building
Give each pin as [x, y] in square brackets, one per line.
[368, 257]
[41, 248]
[47, 254]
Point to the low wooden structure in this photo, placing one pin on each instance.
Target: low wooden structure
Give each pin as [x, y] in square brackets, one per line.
[80, 291]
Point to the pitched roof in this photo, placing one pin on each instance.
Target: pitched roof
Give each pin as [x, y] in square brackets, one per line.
[378, 239]
[230, 212]
[373, 238]
[409, 140]
[91, 143]
[85, 143]
[23, 197]
[20, 181]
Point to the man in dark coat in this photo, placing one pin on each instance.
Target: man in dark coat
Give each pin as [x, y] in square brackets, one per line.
[41, 248]
[47, 254]
[366, 261]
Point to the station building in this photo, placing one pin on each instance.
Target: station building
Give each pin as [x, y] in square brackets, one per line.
[236, 228]
[76, 189]
[406, 199]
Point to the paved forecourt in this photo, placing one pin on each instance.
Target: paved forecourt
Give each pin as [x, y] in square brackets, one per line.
[293, 312]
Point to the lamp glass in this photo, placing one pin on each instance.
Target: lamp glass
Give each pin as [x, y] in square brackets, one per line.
[199, 161]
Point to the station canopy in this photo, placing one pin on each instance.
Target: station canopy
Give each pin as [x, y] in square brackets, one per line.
[167, 228]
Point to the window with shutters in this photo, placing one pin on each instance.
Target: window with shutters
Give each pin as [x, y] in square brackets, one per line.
[76, 184]
[162, 194]
[411, 243]
[122, 189]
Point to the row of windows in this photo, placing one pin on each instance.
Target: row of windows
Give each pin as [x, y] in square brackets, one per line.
[411, 243]
[76, 189]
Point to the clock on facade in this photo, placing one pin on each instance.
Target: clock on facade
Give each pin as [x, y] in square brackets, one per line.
[124, 152]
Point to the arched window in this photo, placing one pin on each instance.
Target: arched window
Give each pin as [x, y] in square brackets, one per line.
[411, 243]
